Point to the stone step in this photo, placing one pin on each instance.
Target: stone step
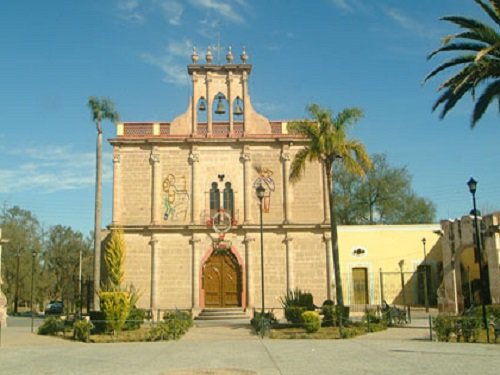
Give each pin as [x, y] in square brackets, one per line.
[222, 314]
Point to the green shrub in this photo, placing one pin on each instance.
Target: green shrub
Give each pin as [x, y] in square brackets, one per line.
[297, 297]
[263, 322]
[293, 314]
[135, 319]
[371, 316]
[51, 326]
[98, 320]
[444, 326]
[311, 321]
[342, 315]
[174, 325]
[469, 327]
[178, 322]
[82, 329]
[115, 305]
[329, 317]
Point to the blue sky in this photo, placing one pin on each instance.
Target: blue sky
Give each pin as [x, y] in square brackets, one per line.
[337, 53]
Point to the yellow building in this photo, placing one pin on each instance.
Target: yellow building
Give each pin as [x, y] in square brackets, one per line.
[185, 194]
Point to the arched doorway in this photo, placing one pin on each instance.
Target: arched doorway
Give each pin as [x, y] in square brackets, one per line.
[222, 281]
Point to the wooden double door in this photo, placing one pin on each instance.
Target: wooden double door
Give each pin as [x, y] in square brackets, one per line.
[222, 281]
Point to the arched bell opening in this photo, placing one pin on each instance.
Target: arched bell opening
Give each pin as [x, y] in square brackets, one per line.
[238, 109]
[201, 109]
[220, 108]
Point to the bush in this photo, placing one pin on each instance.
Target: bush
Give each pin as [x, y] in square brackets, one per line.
[179, 322]
[311, 321]
[342, 315]
[51, 326]
[469, 328]
[135, 319]
[444, 326]
[293, 314]
[98, 320]
[263, 321]
[82, 329]
[115, 306]
[297, 297]
[329, 317]
[175, 324]
[371, 316]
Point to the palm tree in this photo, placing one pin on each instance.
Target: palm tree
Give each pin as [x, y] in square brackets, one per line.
[328, 144]
[101, 109]
[479, 45]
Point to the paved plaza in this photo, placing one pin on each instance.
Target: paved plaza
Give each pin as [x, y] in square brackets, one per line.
[235, 349]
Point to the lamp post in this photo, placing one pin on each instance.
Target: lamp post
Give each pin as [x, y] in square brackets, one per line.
[16, 295]
[426, 291]
[33, 254]
[260, 194]
[472, 188]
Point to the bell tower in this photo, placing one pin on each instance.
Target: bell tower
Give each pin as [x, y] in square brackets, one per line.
[220, 93]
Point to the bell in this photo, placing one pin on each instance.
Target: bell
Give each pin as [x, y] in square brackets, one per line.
[202, 105]
[238, 111]
[220, 107]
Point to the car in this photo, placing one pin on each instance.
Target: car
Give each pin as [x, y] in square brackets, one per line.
[54, 308]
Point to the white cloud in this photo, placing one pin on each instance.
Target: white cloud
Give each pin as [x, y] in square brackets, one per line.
[410, 24]
[223, 8]
[341, 4]
[173, 11]
[130, 11]
[170, 63]
[50, 169]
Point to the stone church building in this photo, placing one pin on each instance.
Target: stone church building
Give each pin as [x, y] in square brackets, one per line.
[184, 193]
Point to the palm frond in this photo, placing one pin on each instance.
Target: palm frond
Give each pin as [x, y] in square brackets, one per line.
[348, 117]
[486, 98]
[464, 22]
[487, 51]
[456, 61]
[491, 12]
[457, 47]
[298, 166]
[495, 4]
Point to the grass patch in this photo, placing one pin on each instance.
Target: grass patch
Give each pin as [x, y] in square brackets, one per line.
[325, 333]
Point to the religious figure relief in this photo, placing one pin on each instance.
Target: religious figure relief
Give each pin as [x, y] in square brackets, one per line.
[176, 199]
[267, 183]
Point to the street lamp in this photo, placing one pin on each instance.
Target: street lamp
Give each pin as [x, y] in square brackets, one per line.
[16, 295]
[260, 194]
[472, 188]
[426, 297]
[33, 255]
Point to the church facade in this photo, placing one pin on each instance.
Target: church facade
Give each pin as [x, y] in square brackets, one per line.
[184, 192]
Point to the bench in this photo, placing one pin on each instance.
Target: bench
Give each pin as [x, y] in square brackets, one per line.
[394, 315]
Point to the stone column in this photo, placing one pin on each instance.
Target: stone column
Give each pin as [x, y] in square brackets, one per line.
[247, 184]
[230, 101]
[249, 270]
[194, 159]
[285, 159]
[154, 274]
[329, 265]
[209, 105]
[195, 276]
[326, 195]
[155, 186]
[290, 274]
[246, 100]
[117, 180]
[194, 104]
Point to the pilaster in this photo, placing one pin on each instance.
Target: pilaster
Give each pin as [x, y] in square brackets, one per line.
[329, 265]
[195, 277]
[245, 159]
[194, 159]
[156, 186]
[290, 274]
[117, 181]
[154, 274]
[285, 159]
[249, 270]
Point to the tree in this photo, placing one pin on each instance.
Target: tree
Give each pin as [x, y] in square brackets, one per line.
[329, 145]
[101, 109]
[25, 235]
[115, 299]
[62, 261]
[479, 45]
[384, 196]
